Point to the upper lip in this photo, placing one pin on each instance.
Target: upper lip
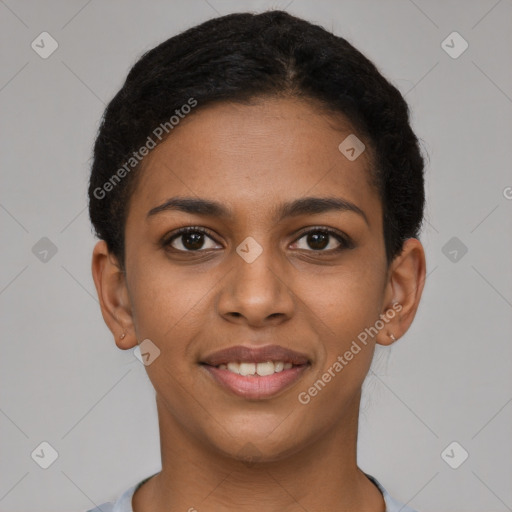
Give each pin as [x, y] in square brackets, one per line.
[255, 355]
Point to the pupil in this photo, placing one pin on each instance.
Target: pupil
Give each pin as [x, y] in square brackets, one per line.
[318, 240]
[195, 239]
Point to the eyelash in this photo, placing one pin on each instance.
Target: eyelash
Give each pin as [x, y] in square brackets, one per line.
[344, 240]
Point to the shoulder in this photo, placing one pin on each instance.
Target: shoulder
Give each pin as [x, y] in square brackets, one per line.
[105, 507]
[392, 505]
[123, 503]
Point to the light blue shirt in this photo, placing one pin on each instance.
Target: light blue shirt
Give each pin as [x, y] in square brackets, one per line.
[124, 502]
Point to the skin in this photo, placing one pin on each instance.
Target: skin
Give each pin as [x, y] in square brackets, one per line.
[251, 158]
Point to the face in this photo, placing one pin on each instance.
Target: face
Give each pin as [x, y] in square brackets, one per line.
[284, 247]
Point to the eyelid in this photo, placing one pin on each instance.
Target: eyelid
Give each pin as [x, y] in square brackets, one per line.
[167, 239]
[345, 241]
[343, 238]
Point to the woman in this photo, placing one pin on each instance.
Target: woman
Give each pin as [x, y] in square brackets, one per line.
[258, 194]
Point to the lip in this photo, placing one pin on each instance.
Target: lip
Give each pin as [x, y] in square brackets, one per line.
[256, 387]
[241, 353]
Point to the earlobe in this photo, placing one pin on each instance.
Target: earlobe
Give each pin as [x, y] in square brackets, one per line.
[403, 291]
[110, 283]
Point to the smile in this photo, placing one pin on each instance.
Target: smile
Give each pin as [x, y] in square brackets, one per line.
[262, 369]
[256, 381]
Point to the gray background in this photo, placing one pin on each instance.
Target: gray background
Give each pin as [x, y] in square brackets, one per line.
[64, 381]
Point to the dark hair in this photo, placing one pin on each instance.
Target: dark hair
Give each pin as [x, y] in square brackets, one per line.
[240, 57]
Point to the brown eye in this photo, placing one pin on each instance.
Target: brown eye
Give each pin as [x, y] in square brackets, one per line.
[317, 240]
[323, 240]
[190, 239]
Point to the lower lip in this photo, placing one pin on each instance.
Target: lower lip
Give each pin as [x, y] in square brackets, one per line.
[253, 386]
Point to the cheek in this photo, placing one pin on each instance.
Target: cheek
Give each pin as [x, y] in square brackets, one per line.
[342, 311]
[165, 300]
[343, 306]
[346, 301]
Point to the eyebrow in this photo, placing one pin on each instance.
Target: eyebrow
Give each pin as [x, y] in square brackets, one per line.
[302, 206]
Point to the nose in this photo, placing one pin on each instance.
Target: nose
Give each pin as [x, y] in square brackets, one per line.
[256, 293]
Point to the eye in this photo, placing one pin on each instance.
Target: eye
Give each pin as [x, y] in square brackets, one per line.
[189, 239]
[321, 240]
[196, 239]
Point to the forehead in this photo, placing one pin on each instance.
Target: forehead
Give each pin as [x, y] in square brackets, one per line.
[254, 155]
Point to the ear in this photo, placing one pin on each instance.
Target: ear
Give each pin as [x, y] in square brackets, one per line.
[406, 279]
[110, 282]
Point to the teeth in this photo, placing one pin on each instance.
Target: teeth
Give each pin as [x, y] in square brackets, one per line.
[278, 366]
[261, 369]
[233, 367]
[247, 368]
[265, 368]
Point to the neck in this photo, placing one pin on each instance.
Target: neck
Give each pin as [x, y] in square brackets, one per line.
[320, 476]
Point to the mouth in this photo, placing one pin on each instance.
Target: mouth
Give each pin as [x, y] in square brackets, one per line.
[256, 373]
